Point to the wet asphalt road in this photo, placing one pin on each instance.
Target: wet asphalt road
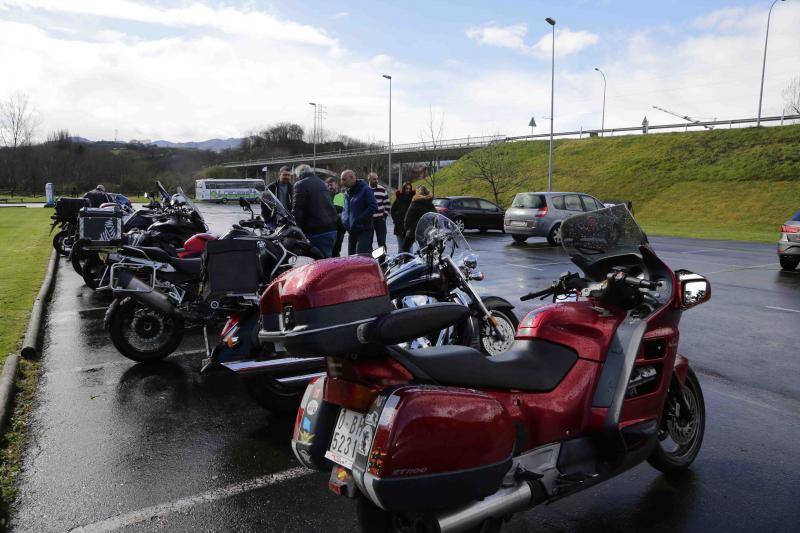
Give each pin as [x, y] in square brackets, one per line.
[115, 446]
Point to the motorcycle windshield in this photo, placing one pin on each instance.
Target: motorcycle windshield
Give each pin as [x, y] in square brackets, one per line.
[593, 236]
[275, 206]
[163, 192]
[433, 228]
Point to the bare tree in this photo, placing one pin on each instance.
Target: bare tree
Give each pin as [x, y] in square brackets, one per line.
[791, 97]
[18, 121]
[432, 137]
[490, 166]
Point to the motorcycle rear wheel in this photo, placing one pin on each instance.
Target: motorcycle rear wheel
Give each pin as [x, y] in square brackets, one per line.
[92, 271]
[58, 243]
[143, 334]
[682, 430]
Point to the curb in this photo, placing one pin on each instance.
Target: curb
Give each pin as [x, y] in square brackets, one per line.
[33, 333]
[7, 388]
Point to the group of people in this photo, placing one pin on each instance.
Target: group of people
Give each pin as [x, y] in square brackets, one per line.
[325, 213]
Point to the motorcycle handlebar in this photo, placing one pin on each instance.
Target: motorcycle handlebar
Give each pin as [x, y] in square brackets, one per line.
[532, 295]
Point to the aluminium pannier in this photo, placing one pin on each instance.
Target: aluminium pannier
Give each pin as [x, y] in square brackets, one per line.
[100, 226]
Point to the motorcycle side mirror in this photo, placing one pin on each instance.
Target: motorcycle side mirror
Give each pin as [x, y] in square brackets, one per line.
[245, 204]
[379, 252]
[694, 289]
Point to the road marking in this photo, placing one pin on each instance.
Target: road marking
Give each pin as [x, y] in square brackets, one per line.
[157, 511]
[743, 268]
[782, 309]
[524, 266]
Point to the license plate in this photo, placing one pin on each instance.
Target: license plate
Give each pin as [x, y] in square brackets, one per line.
[344, 442]
[518, 223]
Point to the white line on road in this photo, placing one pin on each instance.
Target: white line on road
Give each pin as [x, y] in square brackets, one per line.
[782, 309]
[524, 266]
[148, 513]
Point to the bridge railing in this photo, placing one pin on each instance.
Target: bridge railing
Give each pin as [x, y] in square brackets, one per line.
[477, 142]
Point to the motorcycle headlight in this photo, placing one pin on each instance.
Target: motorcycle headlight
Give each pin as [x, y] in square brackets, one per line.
[471, 261]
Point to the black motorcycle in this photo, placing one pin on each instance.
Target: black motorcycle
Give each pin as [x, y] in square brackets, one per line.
[65, 217]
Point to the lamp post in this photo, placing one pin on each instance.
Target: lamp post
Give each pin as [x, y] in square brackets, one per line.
[603, 123]
[389, 173]
[764, 63]
[552, 23]
[314, 164]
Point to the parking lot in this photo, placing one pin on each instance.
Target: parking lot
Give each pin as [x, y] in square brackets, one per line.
[115, 446]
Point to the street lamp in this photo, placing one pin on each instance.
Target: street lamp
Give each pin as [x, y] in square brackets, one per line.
[764, 63]
[552, 22]
[314, 164]
[603, 123]
[389, 173]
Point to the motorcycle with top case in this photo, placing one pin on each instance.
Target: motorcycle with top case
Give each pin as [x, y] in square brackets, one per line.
[444, 439]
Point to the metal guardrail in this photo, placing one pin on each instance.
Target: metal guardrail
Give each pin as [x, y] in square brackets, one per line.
[466, 143]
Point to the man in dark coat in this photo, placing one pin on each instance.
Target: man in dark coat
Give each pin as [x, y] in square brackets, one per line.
[421, 203]
[359, 208]
[401, 202]
[313, 210]
[98, 196]
[282, 188]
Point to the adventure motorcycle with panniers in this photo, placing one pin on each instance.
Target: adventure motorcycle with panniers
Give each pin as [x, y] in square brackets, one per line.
[441, 271]
[445, 439]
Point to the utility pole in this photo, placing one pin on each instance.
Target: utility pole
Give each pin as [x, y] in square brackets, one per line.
[314, 164]
[389, 173]
[552, 23]
[764, 63]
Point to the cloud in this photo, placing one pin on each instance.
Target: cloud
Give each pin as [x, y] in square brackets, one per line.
[567, 41]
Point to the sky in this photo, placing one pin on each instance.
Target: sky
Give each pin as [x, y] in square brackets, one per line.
[199, 69]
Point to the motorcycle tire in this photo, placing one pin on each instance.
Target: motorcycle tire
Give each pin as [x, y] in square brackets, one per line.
[686, 432]
[139, 341]
[264, 390]
[92, 271]
[58, 243]
[373, 519]
[507, 323]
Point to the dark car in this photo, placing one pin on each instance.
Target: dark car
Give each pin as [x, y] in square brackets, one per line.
[469, 212]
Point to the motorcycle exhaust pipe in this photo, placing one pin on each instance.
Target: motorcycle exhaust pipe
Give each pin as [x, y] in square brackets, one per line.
[505, 501]
[142, 292]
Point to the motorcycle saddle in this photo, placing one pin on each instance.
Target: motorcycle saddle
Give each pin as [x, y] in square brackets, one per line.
[186, 266]
[530, 365]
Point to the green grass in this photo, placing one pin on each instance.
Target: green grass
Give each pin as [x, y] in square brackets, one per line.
[25, 247]
[723, 184]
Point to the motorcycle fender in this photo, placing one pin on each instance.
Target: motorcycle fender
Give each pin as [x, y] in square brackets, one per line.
[110, 313]
[313, 427]
[680, 369]
[497, 302]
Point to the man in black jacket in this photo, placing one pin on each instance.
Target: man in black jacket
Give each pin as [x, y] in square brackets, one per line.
[313, 209]
[282, 188]
[98, 196]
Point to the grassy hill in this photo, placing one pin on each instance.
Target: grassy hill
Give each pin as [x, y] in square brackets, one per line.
[721, 184]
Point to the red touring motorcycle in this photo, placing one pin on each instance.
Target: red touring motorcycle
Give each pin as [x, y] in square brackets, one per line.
[446, 439]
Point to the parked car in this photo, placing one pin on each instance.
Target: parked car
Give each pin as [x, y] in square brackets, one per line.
[789, 243]
[469, 212]
[539, 214]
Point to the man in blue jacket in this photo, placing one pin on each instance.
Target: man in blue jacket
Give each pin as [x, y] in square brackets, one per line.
[359, 206]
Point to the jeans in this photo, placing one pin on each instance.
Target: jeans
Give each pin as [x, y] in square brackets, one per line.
[323, 241]
[379, 225]
[359, 242]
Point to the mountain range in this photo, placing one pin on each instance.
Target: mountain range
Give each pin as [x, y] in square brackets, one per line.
[213, 145]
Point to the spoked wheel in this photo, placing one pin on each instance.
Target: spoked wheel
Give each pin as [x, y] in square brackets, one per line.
[142, 333]
[507, 323]
[682, 428]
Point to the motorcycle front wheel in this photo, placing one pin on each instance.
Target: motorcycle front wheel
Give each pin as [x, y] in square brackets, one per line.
[141, 333]
[682, 427]
[507, 323]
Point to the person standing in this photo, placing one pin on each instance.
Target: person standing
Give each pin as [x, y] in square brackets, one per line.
[97, 196]
[402, 200]
[421, 203]
[382, 201]
[282, 188]
[338, 204]
[359, 208]
[313, 210]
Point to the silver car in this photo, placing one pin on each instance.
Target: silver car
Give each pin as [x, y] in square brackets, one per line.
[539, 214]
[789, 243]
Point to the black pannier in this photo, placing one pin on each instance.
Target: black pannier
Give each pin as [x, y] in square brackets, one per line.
[68, 208]
[100, 226]
[232, 266]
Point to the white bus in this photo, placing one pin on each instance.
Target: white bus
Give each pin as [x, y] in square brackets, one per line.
[224, 190]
